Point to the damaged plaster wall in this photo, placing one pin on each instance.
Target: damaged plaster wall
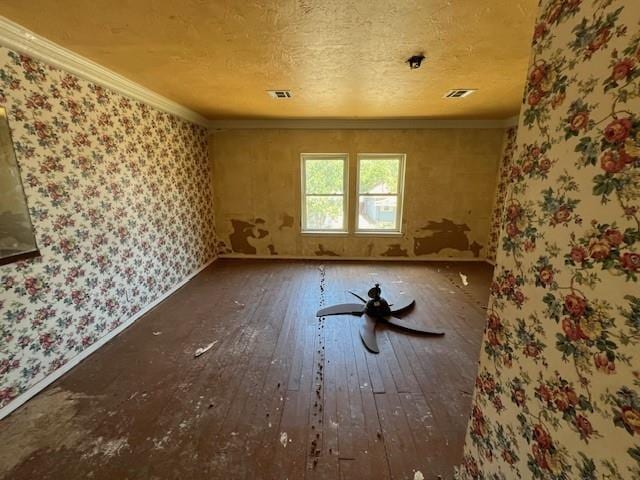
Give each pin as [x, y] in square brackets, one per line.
[557, 393]
[120, 199]
[449, 188]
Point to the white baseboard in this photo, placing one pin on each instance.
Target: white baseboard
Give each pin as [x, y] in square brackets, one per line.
[52, 377]
[359, 259]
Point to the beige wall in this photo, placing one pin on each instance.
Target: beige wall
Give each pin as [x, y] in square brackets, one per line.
[449, 186]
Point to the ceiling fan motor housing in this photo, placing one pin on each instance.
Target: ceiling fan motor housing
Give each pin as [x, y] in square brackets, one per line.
[377, 307]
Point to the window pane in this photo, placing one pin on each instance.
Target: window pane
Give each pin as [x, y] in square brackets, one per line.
[377, 213]
[379, 175]
[324, 176]
[325, 213]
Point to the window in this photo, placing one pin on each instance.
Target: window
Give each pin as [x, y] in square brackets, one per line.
[380, 185]
[324, 197]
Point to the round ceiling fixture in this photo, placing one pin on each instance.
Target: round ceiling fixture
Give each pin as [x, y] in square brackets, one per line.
[415, 61]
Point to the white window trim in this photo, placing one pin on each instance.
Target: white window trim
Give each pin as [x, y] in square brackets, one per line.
[399, 195]
[345, 194]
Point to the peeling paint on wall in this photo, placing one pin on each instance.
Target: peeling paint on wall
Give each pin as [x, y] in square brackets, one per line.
[286, 221]
[369, 249]
[263, 218]
[395, 250]
[324, 252]
[243, 231]
[446, 234]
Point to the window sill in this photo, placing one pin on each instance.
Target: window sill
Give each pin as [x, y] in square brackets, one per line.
[378, 233]
[320, 233]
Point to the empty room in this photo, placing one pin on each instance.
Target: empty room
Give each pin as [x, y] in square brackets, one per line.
[307, 239]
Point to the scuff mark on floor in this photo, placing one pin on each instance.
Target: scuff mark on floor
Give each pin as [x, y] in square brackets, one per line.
[49, 419]
[107, 448]
[159, 444]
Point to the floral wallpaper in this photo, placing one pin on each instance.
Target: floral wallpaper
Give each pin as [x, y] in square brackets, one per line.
[558, 388]
[502, 183]
[120, 199]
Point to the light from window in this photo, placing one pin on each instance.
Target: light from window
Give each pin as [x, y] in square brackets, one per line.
[324, 183]
[380, 186]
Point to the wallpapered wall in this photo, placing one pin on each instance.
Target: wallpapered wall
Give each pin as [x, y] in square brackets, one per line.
[449, 189]
[120, 197]
[502, 184]
[558, 389]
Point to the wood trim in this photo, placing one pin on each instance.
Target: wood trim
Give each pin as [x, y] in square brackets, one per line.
[359, 124]
[49, 379]
[19, 257]
[349, 259]
[18, 38]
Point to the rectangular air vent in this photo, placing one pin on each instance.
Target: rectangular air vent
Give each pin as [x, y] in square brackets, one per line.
[459, 93]
[280, 94]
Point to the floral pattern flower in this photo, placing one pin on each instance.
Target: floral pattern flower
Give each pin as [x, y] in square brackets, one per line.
[558, 381]
[501, 191]
[120, 199]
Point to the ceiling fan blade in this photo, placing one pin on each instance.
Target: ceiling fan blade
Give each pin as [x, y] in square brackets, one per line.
[402, 307]
[357, 296]
[411, 327]
[342, 309]
[368, 333]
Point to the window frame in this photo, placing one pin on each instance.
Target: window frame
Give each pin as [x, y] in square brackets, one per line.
[400, 193]
[345, 193]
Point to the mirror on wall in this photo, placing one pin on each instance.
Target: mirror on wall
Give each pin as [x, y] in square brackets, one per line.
[17, 241]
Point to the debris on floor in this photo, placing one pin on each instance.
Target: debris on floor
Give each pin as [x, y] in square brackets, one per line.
[283, 439]
[202, 350]
[464, 279]
[107, 448]
[418, 475]
[155, 334]
[239, 304]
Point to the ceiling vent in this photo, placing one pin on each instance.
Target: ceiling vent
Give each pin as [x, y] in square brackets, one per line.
[459, 93]
[280, 94]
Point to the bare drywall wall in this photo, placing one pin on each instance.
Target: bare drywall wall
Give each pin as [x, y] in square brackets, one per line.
[449, 186]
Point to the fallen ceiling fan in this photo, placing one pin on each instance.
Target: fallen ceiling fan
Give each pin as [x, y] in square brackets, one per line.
[374, 311]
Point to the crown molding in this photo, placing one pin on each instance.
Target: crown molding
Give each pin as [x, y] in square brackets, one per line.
[18, 38]
[359, 124]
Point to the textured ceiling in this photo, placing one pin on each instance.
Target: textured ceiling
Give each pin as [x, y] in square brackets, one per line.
[341, 58]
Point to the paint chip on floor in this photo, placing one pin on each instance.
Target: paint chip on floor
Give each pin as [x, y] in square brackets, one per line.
[464, 279]
[418, 475]
[283, 439]
[202, 350]
[155, 334]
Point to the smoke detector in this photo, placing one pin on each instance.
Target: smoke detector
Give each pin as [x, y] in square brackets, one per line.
[280, 94]
[459, 93]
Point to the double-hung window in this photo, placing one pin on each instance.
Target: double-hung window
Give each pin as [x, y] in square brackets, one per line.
[380, 187]
[324, 193]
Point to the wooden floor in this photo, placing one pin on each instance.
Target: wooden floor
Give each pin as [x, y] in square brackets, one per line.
[281, 395]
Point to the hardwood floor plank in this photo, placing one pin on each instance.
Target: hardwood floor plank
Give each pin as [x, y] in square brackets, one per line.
[143, 407]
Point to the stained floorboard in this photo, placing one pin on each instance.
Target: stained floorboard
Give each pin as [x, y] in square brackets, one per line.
[281, 395]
